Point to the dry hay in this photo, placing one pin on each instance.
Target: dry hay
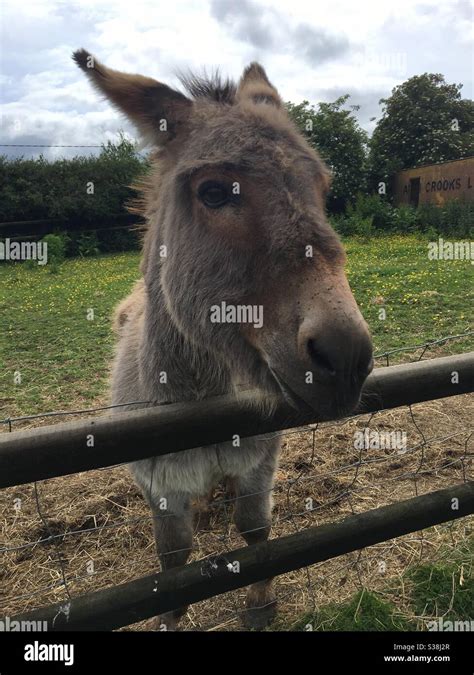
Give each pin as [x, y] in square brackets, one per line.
[100, 516]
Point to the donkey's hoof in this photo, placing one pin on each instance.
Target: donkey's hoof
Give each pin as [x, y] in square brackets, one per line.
[260, 617]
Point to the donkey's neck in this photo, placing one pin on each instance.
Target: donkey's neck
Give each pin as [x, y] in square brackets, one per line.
[172, 368]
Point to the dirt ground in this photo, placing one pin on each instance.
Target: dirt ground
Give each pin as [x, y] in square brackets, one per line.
[94, 530]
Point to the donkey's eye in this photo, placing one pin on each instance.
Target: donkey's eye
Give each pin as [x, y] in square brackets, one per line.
[213, 194]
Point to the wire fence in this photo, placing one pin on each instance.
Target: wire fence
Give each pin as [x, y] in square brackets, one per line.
[66, 536]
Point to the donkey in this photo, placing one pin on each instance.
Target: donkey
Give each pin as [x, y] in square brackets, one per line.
[235, 216]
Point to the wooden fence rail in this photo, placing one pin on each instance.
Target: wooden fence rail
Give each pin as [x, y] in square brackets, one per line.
[62, 449]
[162, 592]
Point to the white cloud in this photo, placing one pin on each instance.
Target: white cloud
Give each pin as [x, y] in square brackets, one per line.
[310, 51]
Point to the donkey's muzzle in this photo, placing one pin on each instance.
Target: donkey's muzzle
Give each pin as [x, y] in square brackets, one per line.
[330, 367]
[337, 356]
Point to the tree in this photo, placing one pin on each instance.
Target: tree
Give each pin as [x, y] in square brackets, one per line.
[335, 133]
[424, 121]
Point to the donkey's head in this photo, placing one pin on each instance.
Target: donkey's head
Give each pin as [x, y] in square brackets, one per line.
[238, 242]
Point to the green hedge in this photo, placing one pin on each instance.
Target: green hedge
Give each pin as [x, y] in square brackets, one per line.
[93, 242]
[36, 189]
[372, 214]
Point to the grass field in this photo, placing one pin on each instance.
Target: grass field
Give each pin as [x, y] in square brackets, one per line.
[63, 357]
[63, 360]
[444, 588]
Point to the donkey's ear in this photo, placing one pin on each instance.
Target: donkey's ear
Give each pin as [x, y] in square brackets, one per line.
[159, 112]
[255, 85]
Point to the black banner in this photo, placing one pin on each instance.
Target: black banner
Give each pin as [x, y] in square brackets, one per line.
[318, 652]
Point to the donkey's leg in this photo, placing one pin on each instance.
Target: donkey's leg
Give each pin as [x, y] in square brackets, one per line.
[173, 527]
[252, 516]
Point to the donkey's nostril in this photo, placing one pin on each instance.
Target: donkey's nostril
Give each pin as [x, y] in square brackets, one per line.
[320, 360]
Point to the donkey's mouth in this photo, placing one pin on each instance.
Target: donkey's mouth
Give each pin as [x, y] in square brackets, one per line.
[328, 409]
[290, 396]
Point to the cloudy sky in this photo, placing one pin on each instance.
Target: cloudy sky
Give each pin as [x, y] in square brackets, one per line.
[313, 51]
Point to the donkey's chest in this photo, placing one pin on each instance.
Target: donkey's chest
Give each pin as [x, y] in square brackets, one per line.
[196, 471]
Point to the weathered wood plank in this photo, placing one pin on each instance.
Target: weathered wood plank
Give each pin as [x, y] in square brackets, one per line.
[162, 592]
[62, 449]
